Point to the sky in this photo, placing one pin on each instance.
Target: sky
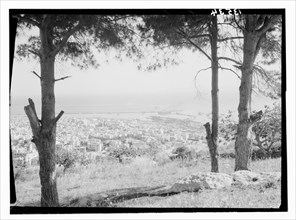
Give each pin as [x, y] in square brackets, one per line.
[117, 86]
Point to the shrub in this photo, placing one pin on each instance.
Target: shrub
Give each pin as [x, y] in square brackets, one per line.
[184, 152]
[228, 127]
[66, 158]
[122, 152]
[266, 132]
[70, 157]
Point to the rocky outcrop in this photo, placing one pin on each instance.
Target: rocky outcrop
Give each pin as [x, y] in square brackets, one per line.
[244, 177]
[195, 182]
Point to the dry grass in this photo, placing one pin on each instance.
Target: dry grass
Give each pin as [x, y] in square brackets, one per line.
[233, 197]
[81, 181]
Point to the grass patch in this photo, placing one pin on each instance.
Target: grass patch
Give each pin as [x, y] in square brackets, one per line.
[234, 197]
[80, 181]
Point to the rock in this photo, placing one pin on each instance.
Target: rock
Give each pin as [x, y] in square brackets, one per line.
[195, 182]
[245, 177]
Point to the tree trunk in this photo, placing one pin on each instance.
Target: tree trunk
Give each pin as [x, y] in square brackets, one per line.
[243, 143]
[212, 148]
[44, 130]
[46, 145]
[212, 136]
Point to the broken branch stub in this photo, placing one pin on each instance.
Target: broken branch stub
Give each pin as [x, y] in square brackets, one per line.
[63, 78]
[212, 147]
[55, 120]
[208, 130]
[59, 116]
[32, 116]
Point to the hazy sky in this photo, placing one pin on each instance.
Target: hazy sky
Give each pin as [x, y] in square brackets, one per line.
[121, 84]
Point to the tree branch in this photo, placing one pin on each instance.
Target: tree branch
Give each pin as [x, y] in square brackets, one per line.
[230, 59]
[36, 74]
[237, 24]
[270, 145]
[263, 73]
[200, 36]
[201, 50]
[28, 20]
[62, 78]
[211, 143]
[268, 24]
[259, 143]
[55, 120]
[65, 38]
[34, 121]
[224, 68]
[230, 24]
[33, 107]
[59, 116]
[201, 70]
[194, 44]
[120, 18]
[34, 52]
[208, 130]
[197, 75]
[258, 46]
[229, 38]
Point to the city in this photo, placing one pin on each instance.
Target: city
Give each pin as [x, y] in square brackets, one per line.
[94, 136]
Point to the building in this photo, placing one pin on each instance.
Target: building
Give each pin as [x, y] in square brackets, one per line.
[95, 144]
[29, 157]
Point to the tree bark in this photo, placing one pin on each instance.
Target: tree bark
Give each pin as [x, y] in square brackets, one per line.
[212, 149]
[46, 146]
[212, 136]
[243, 143]
[44, 130]
[254, 34]
[46, 139]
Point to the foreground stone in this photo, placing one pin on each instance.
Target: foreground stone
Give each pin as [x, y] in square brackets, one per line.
[190, 183]
[195, 182]
[245, 178]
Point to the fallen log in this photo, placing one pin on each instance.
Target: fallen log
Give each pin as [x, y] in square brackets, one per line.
[109, 198]
[191, 183]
